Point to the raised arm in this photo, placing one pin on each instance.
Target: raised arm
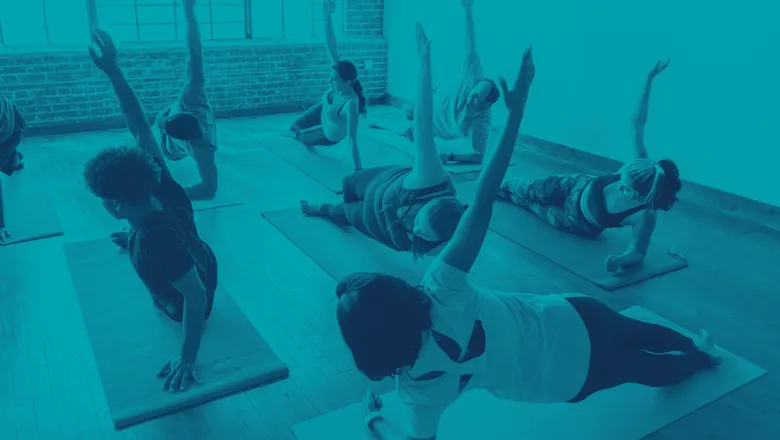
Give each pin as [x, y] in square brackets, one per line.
[328, 6]
[428, 168]
[471, 38]
[463, 249]
[104, 55]
[196, 77]
[640, 120]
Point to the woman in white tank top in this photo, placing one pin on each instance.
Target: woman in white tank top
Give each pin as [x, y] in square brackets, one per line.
[337, 115]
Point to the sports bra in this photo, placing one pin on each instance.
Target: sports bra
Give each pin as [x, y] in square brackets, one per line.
[595, 209]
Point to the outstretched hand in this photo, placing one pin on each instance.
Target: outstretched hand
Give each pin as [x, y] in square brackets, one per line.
[103, 51]
[188, 4]
[515, 98]
[423, 43]
[659, 67]
[468, 4]
[328, 6]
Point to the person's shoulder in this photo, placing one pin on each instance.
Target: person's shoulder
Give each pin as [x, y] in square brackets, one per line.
[442, 276]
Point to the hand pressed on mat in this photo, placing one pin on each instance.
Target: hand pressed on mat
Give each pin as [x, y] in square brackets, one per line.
[179, 374]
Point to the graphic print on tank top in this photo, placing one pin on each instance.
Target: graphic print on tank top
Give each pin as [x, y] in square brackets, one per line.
[474, 349]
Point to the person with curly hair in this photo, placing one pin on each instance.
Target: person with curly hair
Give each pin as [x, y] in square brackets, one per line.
[188, 127]
[178, 268]
[12, 126]
[586, 205]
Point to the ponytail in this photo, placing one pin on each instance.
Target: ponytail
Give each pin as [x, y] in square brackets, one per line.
[651, 194]
[358, 88]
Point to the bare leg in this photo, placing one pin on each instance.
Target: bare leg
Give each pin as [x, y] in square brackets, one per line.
[310, 118]
[335, 213]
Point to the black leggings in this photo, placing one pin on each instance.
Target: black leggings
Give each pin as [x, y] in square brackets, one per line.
[309, 128]
[625, 350]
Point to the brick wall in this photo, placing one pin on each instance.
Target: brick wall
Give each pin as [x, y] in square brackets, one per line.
[63, 91]
[365, 18]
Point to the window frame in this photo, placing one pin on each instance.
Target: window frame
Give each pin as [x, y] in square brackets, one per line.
[248, 31]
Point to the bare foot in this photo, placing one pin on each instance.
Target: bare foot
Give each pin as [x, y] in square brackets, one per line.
[705, 345]
[309, 209]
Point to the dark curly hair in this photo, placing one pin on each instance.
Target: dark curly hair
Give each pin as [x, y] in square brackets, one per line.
[127, 175]
[382, 319]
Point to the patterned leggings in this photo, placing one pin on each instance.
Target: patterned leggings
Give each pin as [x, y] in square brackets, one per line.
[555, 199]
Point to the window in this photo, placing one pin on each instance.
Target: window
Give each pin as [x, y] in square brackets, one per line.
[63, 22]
[163, 20]
[43, 22]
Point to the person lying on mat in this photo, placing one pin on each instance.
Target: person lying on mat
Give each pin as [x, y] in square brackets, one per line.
[587, 205]
[405, 208]
[188, 127]
[12, 126]
[463, 110]
[166, 251]
[336, 116]
[446, 336]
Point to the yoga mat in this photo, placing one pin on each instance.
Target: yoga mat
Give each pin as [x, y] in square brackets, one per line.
[628, 412]
[328, 164]
[579, 255]
[459, 146]
[340, 251]
[185, 172]
[29, 217]
[131, 340]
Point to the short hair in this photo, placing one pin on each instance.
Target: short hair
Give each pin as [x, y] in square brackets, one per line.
[124, 174]
[182, 126]
[382, 320]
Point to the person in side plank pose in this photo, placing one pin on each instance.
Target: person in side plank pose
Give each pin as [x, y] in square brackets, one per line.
[188, 127]
[177, 267]
[12, 125]
[410, 209]
[586, 205]
[337, 115]
[446, 336]
[463, 111]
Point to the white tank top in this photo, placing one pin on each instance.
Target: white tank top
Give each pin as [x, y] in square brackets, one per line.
[334, 119]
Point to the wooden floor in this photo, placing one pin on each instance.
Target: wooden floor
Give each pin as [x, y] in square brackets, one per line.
[50, 388]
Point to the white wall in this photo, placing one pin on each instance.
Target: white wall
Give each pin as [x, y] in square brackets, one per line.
[715, 111]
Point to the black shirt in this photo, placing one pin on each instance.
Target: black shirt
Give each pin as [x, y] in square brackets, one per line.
[167, 245]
